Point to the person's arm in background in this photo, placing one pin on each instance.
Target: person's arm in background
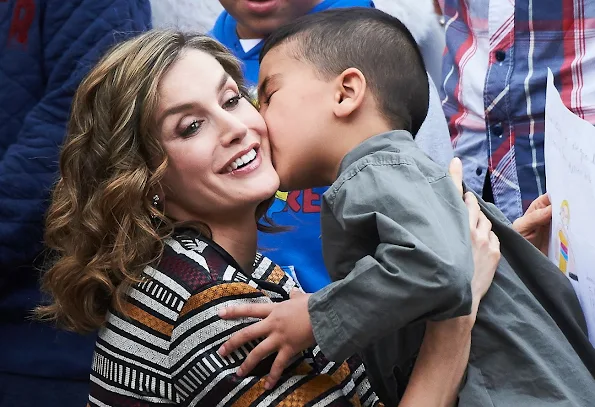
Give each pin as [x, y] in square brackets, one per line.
[421, 19]
[75, 36]
[433, 137]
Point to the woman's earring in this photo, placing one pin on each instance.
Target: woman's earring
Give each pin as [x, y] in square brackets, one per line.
[155, 202]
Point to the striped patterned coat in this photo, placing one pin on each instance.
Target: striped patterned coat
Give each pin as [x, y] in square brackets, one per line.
[164, 351]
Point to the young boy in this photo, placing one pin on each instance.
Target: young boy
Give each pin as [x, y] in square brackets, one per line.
[242, 27]
[342, 93]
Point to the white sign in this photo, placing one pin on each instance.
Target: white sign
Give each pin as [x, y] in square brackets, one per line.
[570, 174]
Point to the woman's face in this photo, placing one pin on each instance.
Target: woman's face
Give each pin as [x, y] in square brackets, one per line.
[219, 165]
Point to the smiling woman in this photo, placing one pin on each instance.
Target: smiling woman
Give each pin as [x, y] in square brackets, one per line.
[207, 132]
[164, 176]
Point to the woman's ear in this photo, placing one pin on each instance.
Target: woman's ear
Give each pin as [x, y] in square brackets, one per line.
[350, 92]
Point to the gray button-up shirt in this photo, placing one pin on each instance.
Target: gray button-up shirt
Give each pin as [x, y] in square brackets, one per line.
[395, 236]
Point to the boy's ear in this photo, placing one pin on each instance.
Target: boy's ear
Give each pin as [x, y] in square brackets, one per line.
[350, 92]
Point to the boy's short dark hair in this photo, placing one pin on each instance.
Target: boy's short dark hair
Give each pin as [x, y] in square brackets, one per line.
[377, 44]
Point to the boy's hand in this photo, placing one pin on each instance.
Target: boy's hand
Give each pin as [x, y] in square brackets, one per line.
[535, 224]
[286, 328]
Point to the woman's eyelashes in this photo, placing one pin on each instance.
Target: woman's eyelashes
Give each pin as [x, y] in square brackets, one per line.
[233, 101]
[196, 124]
[192, 128]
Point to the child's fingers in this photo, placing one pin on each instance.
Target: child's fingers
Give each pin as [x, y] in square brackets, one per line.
[256, 355]
[282, 360]
[246, 311]
[258, 330]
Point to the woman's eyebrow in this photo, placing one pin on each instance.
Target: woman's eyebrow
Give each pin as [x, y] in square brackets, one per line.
[222, 81]
[173, 110]
[188, 106]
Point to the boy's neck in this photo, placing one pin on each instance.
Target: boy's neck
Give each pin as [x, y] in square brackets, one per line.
[348, 137]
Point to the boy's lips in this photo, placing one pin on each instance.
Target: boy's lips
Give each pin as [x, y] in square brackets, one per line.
[261, 6]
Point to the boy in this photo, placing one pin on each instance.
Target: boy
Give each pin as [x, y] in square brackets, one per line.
[242, 27]
[334, 88]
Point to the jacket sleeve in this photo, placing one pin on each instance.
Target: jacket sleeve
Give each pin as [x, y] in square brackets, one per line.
[403, 250]
[74, 35]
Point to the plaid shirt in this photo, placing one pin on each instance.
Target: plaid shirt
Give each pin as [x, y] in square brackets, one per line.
[494, 83]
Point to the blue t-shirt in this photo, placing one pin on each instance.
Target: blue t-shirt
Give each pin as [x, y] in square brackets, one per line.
[299, 250]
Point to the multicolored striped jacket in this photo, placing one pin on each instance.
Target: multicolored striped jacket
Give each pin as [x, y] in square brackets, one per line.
[164, 352]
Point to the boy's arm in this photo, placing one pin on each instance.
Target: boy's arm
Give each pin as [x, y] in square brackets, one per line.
[349, 314]
[421, 267]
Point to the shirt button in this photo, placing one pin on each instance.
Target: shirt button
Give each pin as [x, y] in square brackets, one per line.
[479, 171]
[497, 130]
[500, 55]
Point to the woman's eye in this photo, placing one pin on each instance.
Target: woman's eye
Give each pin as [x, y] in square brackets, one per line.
[232, 102]
[192, 128]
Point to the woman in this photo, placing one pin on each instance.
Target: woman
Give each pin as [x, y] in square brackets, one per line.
[165, 176]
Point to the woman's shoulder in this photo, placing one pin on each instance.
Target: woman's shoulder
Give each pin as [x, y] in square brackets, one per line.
[194, 260]
[191, 261]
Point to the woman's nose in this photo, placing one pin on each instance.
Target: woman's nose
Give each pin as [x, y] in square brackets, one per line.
[233, 129]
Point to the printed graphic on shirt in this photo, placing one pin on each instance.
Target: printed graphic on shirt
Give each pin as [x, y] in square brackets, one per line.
[306, 201]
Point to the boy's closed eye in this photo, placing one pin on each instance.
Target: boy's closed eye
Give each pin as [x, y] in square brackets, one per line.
[267, 88]
[266, 99]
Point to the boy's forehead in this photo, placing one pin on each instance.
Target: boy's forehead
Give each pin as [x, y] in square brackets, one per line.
[275, 56]
[271, 65]
[279, 60]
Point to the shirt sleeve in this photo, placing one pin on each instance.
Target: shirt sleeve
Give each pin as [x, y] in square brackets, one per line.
[400, 242]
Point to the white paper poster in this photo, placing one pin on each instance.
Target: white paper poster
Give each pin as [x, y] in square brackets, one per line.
[570, 175]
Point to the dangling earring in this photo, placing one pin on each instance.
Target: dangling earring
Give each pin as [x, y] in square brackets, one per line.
[155, 202]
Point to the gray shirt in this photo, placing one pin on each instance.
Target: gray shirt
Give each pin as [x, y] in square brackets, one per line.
[395, 235]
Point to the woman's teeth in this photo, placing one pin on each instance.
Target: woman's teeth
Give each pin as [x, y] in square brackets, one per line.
[243, 160]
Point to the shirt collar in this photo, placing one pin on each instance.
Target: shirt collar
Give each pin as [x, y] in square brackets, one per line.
[382, 142]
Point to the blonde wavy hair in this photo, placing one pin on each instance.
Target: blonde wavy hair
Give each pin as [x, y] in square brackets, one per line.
[101, 223]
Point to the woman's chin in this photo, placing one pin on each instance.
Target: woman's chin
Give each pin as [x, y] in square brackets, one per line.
[271, 185]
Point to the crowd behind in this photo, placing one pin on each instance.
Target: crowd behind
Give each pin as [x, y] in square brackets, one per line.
[286, 202]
